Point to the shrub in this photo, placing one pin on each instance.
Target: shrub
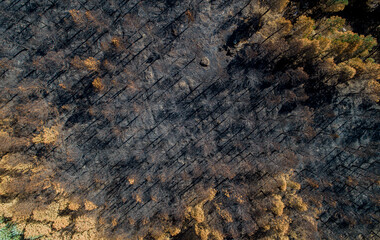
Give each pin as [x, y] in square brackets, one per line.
[47, 136]
[98, 84]
[277, 205]
[36, 230]
[46, 213]
[84, 223]
[9, 231]
[61, 222]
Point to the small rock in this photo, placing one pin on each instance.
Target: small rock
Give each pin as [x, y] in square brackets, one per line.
[205, 62]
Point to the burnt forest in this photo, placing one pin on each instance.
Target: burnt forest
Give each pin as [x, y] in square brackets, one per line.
[189, 120]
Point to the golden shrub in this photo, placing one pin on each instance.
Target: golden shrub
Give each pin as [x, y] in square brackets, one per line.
[280, 226]
[173, 231]
[281, 181]
[137, 197]
[47, 136]
[277, 205]
[131, 180]
[36, 229]
[5, 181]
[215, 235]
[202, 231]
[294, 185]
[297, 203]
[60, 236]
[114, 222]
[116, 42]
[86, 235]
[374, 89]
[163, 237]
[98, 84]
[196, 213]
[11, 162]
[6, 208]
[225, 215]
[74, 205]
[84, 223]
[77, 16]
[61, 222]
[89, 206]
[91, 64]
[46, 213]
